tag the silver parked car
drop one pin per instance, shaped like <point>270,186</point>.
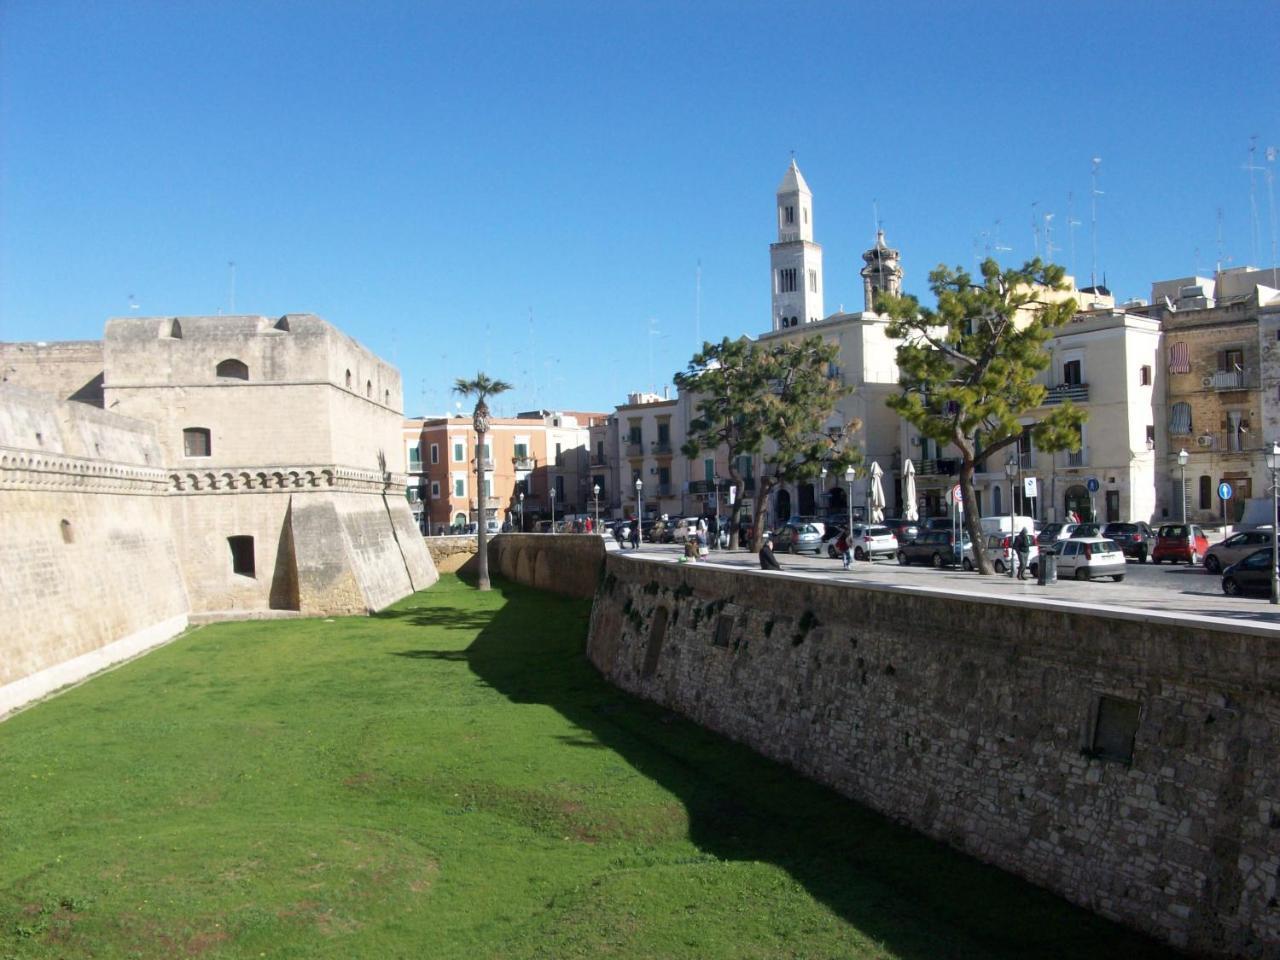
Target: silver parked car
<point>798,538</point>
<point>1235,548</point>
<point>1090,557</point>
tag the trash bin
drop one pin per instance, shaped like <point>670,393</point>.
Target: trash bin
<point>1047,568</point>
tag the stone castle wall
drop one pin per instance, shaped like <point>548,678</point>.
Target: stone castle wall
<point>564,563</point>
<point>1001,728</point>
<point>68,369</point>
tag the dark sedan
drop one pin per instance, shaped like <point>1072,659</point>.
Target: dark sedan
<point>1250,575</point>
<point>1135,539</point>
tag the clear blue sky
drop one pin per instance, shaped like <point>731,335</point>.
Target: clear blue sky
<point>425,175</point>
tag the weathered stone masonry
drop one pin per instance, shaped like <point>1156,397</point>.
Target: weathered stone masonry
<point>1000,728</point>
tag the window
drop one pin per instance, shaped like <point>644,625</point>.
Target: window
<point>1144,375</point>
<point>1151,434</point>
<point>175,329</point>
<point>68,534</point>
<point>664,434</point>
<point>559,456</point>
<point>1180,418</point>
<point>1071,372</point>
<point>724,630</point>
<point>458,455</point>
<point>348,379</point>
<point>636,436</point>
<point>1179,358</point>
<point>787,280</point>
<point>435,489</point>
<point>415,458</point>
<point>487,453</point>
<point>368,389</point>
<point>653,650</point>
<point>459,486</point>
<point>1206,493</point>
<point>522,451</point>
<point>241,555</point>
<point>435,453</point>
<point>813,281</point>
<point>560,489</point>
<point>196,442</point>
<point>791,215</point>
<point>709,470</point>
<point>806,214</point>
<point>1115,727</point>
<point>233,370</point>
<point>488,488</point>
<point>1229,361</point>
<point>386,398</point>
<point>599,451</point>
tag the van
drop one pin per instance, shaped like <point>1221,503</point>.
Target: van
<point>1001,524</point>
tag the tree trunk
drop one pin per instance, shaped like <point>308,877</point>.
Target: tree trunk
<point>972,524</point>
<point>482,534</point>
<point>735,512</point>
<point>762,498</point>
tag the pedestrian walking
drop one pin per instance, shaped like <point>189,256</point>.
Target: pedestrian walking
<point>635,534</point>
<point>1022,548</point>
<point>842,547</point>
<point>617,535</point>
<point>767,560</point>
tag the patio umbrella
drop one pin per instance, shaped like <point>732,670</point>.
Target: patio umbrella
<point>877,494</point>
<point>909,492</point>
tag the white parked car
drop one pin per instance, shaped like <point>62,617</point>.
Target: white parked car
<point>1090,557</point>
<point>871,541</point>
<point>1000,552</point>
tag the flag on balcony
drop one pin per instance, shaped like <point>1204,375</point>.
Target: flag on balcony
<point>1179,358</point>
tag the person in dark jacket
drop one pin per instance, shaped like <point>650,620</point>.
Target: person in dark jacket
<point>635,534</point>
<point>767,560</point>
<point>1022,548</point>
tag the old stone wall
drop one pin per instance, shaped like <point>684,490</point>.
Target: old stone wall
<point>568,563</point>
<point>68,369</point>
<point>1129,763</point>
<point>89,559</point>
<point>451,554</point>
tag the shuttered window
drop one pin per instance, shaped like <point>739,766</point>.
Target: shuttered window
<point>1179,358</point>
<point>1180,420</point>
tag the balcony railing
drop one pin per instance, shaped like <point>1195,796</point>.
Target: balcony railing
<point>635,450</point>
<point>485,464</point>
<point>661,447</point>
<point>1226,441</point>
<point>664,489</point>
<point>598,460</point>
<point>1229,380</point>
<point>1078,458</point>
<point>524,463</point>
<point>1075,392</point>
<point>946,467</point>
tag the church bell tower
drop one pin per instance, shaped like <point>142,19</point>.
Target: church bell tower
<point>796,260</point>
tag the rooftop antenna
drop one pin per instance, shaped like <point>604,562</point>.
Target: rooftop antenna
<point>1035,227</point>
<point>1271,210</point>
<point>1221,253</point>
<point>1072,223</point>
<point>1255,228</point>
<point>1094,194</point>
<point>998,246</point>
<point>133,302</point>
<point>697,307</point>
<point>875,215</point>
<point>231,265</point>
<point>1049,245</point>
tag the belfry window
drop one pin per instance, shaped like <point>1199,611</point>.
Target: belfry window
<point>242,556</point>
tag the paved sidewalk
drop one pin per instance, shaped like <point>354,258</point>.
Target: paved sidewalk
<point>1182,593</point>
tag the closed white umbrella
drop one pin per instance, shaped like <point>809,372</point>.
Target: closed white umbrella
<point>877,494</point>
<point>909,492</point>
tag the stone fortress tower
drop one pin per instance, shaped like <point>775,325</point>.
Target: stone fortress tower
<point>796,260</point>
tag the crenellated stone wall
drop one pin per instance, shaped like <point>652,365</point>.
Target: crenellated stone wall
<point>1131,763</point>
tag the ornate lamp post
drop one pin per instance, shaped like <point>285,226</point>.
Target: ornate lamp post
<point>551,492</point>
<point>715,540</point>
<point>595,490</point>
<point>639,502</point>
<point>1182,462</point>
<point>1273,464</point>
<point>522,511</point>
<point>822,489</point>
<point>1011,471</point>
<point>848,479</point>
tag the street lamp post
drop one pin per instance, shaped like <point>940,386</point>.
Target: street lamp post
<point>715,540</point>
<point>595,490</point>
<point>1273,464</point>
<point>552,494</point>
<point>1011,471</point>
<point>521,501</point>
<point>848,479</point>
<point>639,504</point>
<point>822,489</point>
<point>1182,462</point>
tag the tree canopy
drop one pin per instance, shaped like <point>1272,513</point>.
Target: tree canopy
<point>482,387</point>
<point>968,367</point>
<point>774,400</point>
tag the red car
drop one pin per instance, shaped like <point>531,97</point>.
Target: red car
<point>1180,543</point>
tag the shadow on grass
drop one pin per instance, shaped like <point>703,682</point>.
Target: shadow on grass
<point>914,896</point>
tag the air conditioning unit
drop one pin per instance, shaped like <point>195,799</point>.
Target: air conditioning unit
<point>1206,381</point>
<point>1206,440</point>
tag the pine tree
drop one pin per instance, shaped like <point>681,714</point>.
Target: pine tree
<point>774,401</point>
<point>968,368</point>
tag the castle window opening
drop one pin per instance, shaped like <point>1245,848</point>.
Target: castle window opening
<point>242,556</point>
<point>368,389</point>
<point>1144,376</point>
<point>386,398</point>
<point>348,379</point>
<point>724,630</point>
<point>196,442</point>
<point>1114,728</point>
<point>233,369</point>
<point>68,533</point>
<point>653,650</point>
<point>175,330</point>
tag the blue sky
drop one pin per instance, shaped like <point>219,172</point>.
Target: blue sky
<point>429,176</point>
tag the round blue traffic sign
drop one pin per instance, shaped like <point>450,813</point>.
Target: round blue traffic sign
<point>1224,491</point>
<point>1092,484</point>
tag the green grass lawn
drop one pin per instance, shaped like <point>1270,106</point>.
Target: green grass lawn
<point>452,779</point>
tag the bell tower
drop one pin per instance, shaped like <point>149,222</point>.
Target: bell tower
<point>883,272</point>
<point>795,259</point>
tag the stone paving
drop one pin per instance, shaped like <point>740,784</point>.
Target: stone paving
<point>1148,590</point>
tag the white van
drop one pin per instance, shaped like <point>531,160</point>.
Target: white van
<point>1001,524</point>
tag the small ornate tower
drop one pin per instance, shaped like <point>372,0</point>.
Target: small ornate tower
<point>883,272</point>
<point>795,258</point>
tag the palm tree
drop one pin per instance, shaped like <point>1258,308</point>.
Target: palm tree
<point>482,388</point>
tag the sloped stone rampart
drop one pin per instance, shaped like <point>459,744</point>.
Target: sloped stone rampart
<point>995,726</point>
<point>451,554</point>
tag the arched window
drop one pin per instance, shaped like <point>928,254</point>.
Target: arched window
<point>348,379</point>
<point>174,329</point>
<point>368,389</point>
<point>386,398</point>
<point>196,442</point>
<point>233,370</point>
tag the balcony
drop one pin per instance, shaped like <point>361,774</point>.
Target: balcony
<point>1075,392</point>
<point>484,464</point>
<point>524,463</point>
<point>945,467</point>
<point>635,450</point>
<point>1226,441</point>
<point>598,460</point>
<point>661,448</point>
<point>1078,458</point>
<point>664,490</point>
<point>1226,380</point>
